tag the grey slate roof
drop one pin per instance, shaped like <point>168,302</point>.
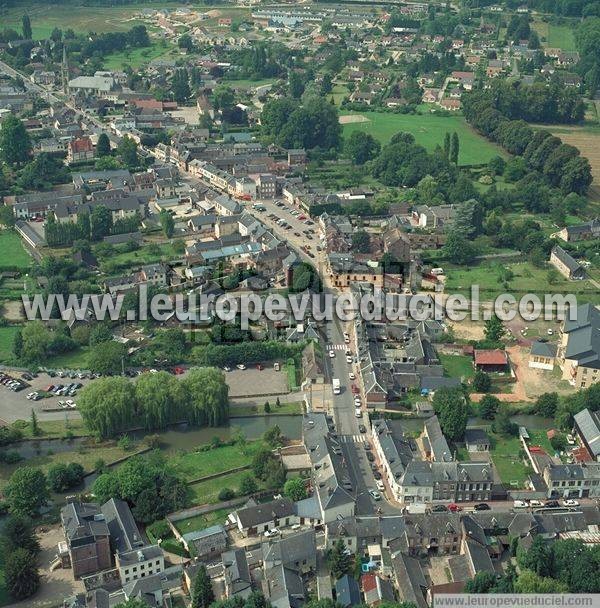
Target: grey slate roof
<point>124,532</point>
<point>543,349</point>
<point>588,424</point>
<point>583,343</point>
<point>410,579</point>
<point>347,591</point>
<point>82,520</point>
<point>237,572</point>
<point>263,513</point>
<point>439,446</point>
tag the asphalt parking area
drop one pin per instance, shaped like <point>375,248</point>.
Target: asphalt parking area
<point>253,382</point>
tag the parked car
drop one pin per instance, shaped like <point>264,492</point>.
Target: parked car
<point>380,485</point>
<point>520,504</point>
<point>352,376</point>
<point>482,506</point>
<point>375,495</point>
<point>551,503</point>
<point>241,366</point>
<point>331,354</point>
<point>370,457</point>
<point>377,475</point>
<point>454,508</point>
<point>362,428</point>
<point>439,509</point>
<point>270,533</point>
<point>570,502</point>
<point>534,502</point>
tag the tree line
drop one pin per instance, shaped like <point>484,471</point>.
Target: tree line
<point>561,165</point>
<point>110,406</point>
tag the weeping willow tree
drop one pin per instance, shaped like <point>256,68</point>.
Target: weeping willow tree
<point>208,395</point>
<point>107,406</point>
<point>161,400</point>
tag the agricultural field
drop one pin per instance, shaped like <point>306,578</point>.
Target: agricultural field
<point>428,129</point>
<point>12,252</point>
<point>44,18</point>
<point>527,279</point>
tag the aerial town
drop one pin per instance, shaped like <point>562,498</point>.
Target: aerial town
<point>441,156</point>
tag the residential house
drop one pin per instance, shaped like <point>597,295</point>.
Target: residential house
<point>79,150</point>
<point>254,519</point>
<point>376,590</point>
<point>580,232</point>
<point>205,543</point>
<point>566,264</point>
<point>587,427</point>
<point>573,480</point>
<point>236,572</point>
<point>437,217</point>
<point>435,446</point>
<point>542,355</point>
<point>579,347</point>
<point>297,551</point>
<point>347,592</point>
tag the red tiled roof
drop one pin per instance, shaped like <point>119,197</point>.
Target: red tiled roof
<point>369,582</point>
<point>491,357</point>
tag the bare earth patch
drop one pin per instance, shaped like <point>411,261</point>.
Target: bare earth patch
<point>352,118</point>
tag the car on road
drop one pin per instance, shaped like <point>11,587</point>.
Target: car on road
<point>570,502</point>
<point>454,508</point>
<point>370,456</point>
<point>331,354</point>
<point>349,359</point>
<point>380,485</point>
<point>439,509</point>
<point>352,376</point>
<point>270,533</point>
<point>377,475</point>
<point>551,503</point>
<point>241,366</point>
<point>375,495</point>
<point>358,412</point>
<point>534,502</point>
<point>520,504</point>
<point>362,428</point>
<point>482,506</point>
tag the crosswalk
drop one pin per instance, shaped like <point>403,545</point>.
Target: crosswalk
<point>362,438</point>
<point>337,346</point>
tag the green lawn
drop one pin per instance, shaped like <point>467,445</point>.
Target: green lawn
<point>207,492</point>
<point>200,464</point>
<point>429,131</point>
<point>457,366</point>
<point>200,522</point>
<point>7,335</point>
<point>119,261</point>
<point>510,467</point>
<point>561,36</point>
<point>12,252</point>
<point>77,359</point>
<point>527,279</point>
<point>136,58</point>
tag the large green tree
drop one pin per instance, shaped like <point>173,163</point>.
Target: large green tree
<point>15,145</point>
<point>26,491</point>
<point>361,147</point>
<point>209,396</point>
<point>202,592</point>
<point>161,398</point>
<point>18,533</point>
<point>21,574</point>
<point>452,410</point>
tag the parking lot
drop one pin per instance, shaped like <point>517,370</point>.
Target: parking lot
<point>253,382</point>
<point>16,406</point>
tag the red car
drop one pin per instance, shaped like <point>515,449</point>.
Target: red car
<point>355,389</point>
<point>454,508</point>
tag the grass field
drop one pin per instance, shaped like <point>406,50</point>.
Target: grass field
<point>145,255</point>
<point>457,366</point>
<point>527,279</point>
<point>136,58</point>
<point>77,359</point>
<point>12,252</point>
<point>207,492</point>
<point>200,522</point>
<point>429,131</point>
<point>555,36</point>
<point>510,467</point>
<point>200,464</point>
<point>7,335</point>
<point>44,18</point>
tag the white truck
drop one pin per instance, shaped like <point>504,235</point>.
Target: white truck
<point>336,386</point>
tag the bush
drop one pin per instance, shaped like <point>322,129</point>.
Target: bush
<point>226,494</point>
<point>159,529</point>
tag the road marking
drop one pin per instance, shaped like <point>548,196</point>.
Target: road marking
<point>337,346</point>
<point>353,438</point>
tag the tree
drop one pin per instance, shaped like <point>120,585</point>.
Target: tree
<point>482,582</point>
<point>103,146</point>
<point>26,22</point>
<point>469,221</point>
<point>267,407</point>
<point>488,407</point>
<point>26,491</point>
<point>15,145</point>
<point>458,249</point>
<point>180,85</point>
<point>361,241</point>
<point>452,411</point>
<point>62,477</point>
<point>295,489</point>
<point>454,149</point>
<point>339,559</point>
<point>202,591</point>
<point>274,474</point>
<point>21,574</point>
<point>161,400</point>
<point>503,424</point>
<point>260,461</point>
<point>209,396</point>
<point>226,494</point>
<point>361,147</point>
<point>107,357</point>
<point>128,152</point>
<point>530,582</point>
<point>223,97</point>
<point>132,602</point>
<point>36,338</point>
<point>447,145</point>
<point>18,533</point>
<point>547,404</point>
<point>107,406</point>
<point>482,383</point>
<point>7,217</point>
<point>167,223</point>
<point>33,424</point>
<point>248,485</point>
<point>273,436</point>
<point>100,222</point>
<point>494,329</point>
